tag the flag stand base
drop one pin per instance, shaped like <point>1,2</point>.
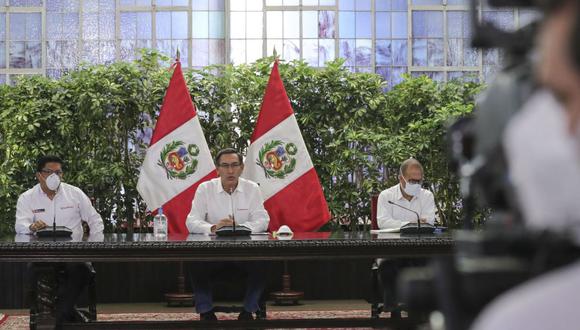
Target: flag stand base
<point>179,298</point>
<point>286,296</point>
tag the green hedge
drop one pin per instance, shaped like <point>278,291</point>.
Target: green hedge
<point>357,134</point>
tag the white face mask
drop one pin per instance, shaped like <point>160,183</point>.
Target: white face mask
<point>411,189</point>
<point>53,181</point>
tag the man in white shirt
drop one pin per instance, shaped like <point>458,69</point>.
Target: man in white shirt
<point>54,201</point>
<point>420,203</point>
<point>220,202</point>
<point>408,194</point>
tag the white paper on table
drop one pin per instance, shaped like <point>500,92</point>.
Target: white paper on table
<point>387,230</point>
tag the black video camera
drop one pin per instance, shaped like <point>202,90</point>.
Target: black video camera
<point>488,263</point>
<point>484,265</point>
<point>475,142</point>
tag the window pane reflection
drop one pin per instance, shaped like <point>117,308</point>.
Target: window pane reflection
<point>25,54</point>
<point>25,47</point>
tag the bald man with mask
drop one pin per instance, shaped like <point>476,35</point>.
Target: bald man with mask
<point>409,194</point>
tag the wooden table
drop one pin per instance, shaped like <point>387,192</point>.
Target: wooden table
<point>148,248</point>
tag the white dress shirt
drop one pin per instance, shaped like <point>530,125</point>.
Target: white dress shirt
<point>544,164</point>
<point>549,301</point>
<point>68,208</point>
<point>212,204</point>
<point>391,216</point>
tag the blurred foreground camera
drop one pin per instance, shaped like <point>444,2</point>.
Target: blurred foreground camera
<point>475,142</point>
<point>484,266</point>
<point>487,263</point>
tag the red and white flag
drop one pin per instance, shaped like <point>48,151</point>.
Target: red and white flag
<point>278,160</point>
<point>178,158</point>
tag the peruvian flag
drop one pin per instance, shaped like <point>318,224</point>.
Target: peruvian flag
<point>178,158</point>
<point>279,162</point>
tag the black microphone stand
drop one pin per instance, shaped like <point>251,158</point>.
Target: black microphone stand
<point>54,219</point>
<point>408,209</point>
<point>232,205</point>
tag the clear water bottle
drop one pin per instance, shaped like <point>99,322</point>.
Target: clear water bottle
<point>160,224</point>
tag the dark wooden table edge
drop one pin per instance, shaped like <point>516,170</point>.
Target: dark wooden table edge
<point>95,253</point>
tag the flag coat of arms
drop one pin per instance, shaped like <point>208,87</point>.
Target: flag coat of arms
<point>178,158</point>
<point>277,159</point>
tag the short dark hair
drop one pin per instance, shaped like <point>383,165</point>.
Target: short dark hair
<point>42,161</point>
<point>228,151</point>
<point>411,162</point>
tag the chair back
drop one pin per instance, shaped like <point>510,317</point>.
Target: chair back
<point>374,202</point>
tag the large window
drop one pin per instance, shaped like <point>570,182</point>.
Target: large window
<point>391,50</point>
<point>98,31</point>
<point>62,36</point>
<point>302,29</point>
<point>208,33</point>
<point>22,36</point>
<point>246,30</point>
<point>389,37</point>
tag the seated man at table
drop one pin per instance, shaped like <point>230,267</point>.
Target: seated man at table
<point>212,209</point>
<point>52,200</point>
<point>407,194</point>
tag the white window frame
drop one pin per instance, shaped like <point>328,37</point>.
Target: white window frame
<point>154,9</point>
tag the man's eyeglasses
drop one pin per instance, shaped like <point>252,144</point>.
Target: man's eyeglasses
<point>49,172</point>
<point>226,166</point>
<point>412,181</point>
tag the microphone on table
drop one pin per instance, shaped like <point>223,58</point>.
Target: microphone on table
<point>233,230</point>
<point>232,205</point>
<point>54,224</point>
<point>408,209</point>
<point>54,219</point>
<point>56,231</point>
<point>54,213</point>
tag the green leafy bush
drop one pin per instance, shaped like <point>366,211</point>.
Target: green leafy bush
<point>96,117</point>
